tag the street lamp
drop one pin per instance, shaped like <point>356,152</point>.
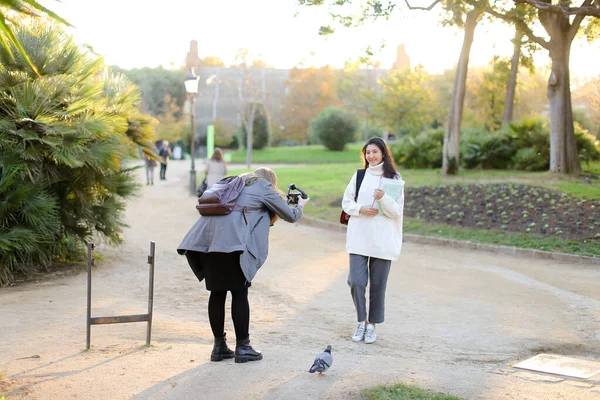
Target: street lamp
<point>191,87</point>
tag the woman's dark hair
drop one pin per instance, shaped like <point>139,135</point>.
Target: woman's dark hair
<point>389,167</point>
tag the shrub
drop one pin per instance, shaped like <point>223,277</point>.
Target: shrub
<point>533,138</point>
<point>334,128</point>
<point>487,150</point>
<point>529,159</point>
<point>261,134</point>
<point>532,132</point>
<point>421,151</point>
<point>63,138</point>
<point>588,146</point>
<point>224,133</point>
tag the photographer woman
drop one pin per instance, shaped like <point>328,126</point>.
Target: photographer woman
<point>228,250</point>
<point>374,237</point>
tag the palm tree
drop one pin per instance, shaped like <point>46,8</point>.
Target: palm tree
<point>14,8</point>
<point>65,134</point>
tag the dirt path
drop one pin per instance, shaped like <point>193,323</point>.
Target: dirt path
<point>456,321</point>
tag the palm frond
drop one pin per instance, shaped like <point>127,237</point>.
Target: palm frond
<point>63,138</point>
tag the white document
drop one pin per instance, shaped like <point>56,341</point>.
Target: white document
<point>391,187</point>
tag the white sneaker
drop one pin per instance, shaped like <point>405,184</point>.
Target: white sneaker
<point>360,332</point>
<point>370,336</point>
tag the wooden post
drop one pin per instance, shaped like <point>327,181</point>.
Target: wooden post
<point>150,292</point>
<point>90,247</point>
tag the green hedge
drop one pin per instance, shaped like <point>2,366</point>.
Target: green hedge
<point>334,128</point>
<point>421,151</point>
<point>522,146</point>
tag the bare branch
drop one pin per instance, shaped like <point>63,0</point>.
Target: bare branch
<point>521,25</point>
<point>578,18</point>
<point>585,10</point>
<point>421,8</point>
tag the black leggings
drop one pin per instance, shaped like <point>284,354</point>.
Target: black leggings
<point>240,313</point>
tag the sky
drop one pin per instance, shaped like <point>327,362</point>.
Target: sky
<point>150,33</point>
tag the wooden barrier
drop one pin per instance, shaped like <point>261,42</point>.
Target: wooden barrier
<point>119,319</point>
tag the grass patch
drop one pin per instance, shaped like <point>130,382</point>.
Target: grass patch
<point>315,154</point>
<point>404,392</point>
<point>592,169</point>
<point>521,240</point>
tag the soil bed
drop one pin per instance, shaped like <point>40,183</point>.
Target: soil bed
<point>506,207</point>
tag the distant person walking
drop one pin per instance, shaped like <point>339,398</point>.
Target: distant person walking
<point>374,234</point>
<point>150,165</point>
<point>165,153</point>
<point>216,169</point>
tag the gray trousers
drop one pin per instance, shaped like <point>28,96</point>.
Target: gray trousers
<point>362,270</point>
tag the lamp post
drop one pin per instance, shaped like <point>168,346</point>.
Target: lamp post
<point>191,87</point>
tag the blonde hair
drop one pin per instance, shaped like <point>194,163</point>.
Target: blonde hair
<point>268,175</point>
<point>217,155</point>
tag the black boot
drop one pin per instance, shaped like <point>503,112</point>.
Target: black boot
<point>220,350</point>
<point>244,352</point>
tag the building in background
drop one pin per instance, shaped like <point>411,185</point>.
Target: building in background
<point>219,91</point>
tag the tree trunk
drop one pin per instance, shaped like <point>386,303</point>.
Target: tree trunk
<point>451,152</point>
<point>563,147</point>
<point>249,123</point>
<point>509,102</point>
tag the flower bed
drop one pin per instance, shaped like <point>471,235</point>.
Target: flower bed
<point>506,207</point>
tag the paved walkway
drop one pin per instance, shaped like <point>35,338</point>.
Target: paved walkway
<point>456,321</point>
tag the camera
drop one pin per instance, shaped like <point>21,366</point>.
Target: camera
<point>293,193</point>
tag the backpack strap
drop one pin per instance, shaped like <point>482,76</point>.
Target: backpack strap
<point>245,209</point>
<point>360,175</point>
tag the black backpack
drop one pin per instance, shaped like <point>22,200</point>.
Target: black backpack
<point>360,174</point>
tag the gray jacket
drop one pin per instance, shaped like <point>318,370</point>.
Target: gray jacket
<point>230,233</point>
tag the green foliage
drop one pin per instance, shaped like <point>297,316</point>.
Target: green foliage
<point>487,150</point>
<point>529,159</point>
<point>355,86</point>
<point>224,134</point>
<point>421,151</point>
<point>405,101</point>
<point>163,91</point>
<point>11,17</point>
<point>532,132</point>
<point>525,146</point>
<point>487,92</point>
<point>588,146</point>
<point>401,391</point>
<point>261,134</point>
<point>63,137</point>
<point>581,117</point>
<point>532,138</point>
<point>334,128</point>
<point>295,153</point>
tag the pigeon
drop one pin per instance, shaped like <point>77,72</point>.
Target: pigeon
<point>322,362</point>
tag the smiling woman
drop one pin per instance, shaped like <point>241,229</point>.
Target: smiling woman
<point>374,235</point>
